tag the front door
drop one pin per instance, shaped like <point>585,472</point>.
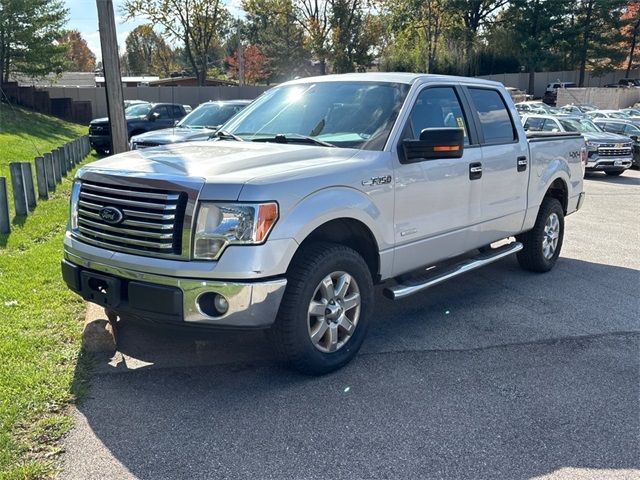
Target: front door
<point>436,201</point>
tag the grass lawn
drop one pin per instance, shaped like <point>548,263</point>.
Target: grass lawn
<point>39,317</point>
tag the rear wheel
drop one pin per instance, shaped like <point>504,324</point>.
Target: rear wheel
<point>543,242</point>
<point>325,310</point>
<point>614,173</point>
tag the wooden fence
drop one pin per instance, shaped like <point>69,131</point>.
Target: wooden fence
<point>49,170</point>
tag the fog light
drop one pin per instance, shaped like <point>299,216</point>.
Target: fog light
<point>213,304</point>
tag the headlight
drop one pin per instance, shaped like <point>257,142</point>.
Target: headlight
<point>222,224</point>
<point>591,145</point>
<point>73,206</point>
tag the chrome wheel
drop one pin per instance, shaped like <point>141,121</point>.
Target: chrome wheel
<point>551,236</point>
<point>334,311</point>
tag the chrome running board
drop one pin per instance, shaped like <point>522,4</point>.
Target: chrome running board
<point>417,284</point>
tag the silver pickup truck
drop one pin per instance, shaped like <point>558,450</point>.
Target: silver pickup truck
<point>315,192</point>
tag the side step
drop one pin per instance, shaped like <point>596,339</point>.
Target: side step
<point>420,283</point>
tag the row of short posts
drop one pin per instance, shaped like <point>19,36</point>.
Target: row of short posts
<point>49,170</point>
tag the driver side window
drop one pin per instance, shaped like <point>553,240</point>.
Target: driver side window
<point>437,107</point>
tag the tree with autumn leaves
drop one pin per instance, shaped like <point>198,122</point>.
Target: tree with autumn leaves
<point>254,65</point>
<point>78,56</point>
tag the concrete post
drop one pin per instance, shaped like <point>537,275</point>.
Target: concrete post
<point>41,179</point>
<point>27,178</point>
<point>19,196</point>
<point>5,225</point>
<point>57,165</point>
<point>49,172</point>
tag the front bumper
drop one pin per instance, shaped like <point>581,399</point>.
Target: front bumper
<point>100,141</point>
<point>171,299</point>
<point>608,163</point>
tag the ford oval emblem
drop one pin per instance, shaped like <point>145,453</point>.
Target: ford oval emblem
<point>111,215</point>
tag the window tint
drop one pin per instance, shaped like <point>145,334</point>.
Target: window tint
<point>495,120</point>
<point>631,130</point>
<point>550,126</point>
<point>534,124</point>
<point>438,107</point>
<point>615,127</point>
<point>176,111</point>
<point>162,111</point>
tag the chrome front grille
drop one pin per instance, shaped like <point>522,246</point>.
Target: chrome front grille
<point>614,152</point>
<point>151,220</point>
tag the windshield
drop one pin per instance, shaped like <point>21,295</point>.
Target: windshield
<point>582,126</point>
<point>138,110</point>
<point>210,115</point>
<point>345,114</point>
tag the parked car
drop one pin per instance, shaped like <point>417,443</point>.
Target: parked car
<point>578,109</point>
<point>198,125</point>
<point>608,152</point>
<point>632,113</point>
<point>316,191</point>
<point>629,82</point>
<point>130,103</point>
<point>536,107</point>
<point>626,128</point>
<point>606,114</point>
<point>140,118</point>
<point>553,87</point>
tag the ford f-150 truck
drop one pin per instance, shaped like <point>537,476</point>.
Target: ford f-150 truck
<point>315,192</point>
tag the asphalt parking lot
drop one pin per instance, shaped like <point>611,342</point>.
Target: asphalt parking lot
<point>497,374</point>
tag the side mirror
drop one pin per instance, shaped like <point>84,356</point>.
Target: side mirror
<point>176,123</point>
<point>154,116</point>
<point>434,143</point>
<point>634,138</point>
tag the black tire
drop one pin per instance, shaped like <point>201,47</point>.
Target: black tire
<point>614,173</point>
<point>291,333</point>
<point>531,257</point>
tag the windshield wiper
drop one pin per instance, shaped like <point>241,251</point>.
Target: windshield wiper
<point>294,138</point>
<point>224,135</point>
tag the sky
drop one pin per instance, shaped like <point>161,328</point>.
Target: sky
<point>83,16</point>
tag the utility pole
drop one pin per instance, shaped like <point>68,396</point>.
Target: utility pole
<point>112,77</point>
<point>240,58</point>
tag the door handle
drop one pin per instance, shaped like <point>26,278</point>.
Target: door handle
<point>475,171</point>
<point>522,164</point>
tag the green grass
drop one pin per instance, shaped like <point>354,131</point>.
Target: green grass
<point>42,368</point>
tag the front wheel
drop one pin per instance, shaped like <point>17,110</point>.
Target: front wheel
<point>543,242</point>
<point>325,310</point>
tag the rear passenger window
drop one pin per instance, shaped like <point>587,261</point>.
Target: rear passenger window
<point>495,120</point>
<point>550,126</point>
<point>176,111</point>
<point>534,124</point>
<point>438,107</point>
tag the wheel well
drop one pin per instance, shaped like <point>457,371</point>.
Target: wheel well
<point>352,233</point>
<point>558,189</point>
<point>136,132</point>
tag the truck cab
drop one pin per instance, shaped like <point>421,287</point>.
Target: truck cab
<point>318,190</point>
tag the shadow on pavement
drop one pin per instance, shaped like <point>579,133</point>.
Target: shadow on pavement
<point>624,179</point>
<point>497,375</point>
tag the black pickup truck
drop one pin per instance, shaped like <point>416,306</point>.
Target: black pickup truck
<point>141,118</point>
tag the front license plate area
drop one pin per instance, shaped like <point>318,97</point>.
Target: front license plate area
<point>100,289</point>
<point>617,163</point>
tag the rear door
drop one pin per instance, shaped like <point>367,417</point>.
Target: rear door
<point>505,166</point>
<point>436,201</point>
<point>164,118</point>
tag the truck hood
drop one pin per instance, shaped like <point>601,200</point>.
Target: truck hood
<point>173,135</point>
<point>221,162</point>
<point>605,137</point>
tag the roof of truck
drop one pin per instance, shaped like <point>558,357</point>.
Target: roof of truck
<point>391,77</point>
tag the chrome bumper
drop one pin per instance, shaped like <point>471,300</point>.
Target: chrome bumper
<point>606,163</point>
<point>251,304</point>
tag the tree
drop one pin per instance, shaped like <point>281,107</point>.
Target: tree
<point>254,64</point>
<point>78,57</point>
<point>146,52</point>
<point>533,27</point>
<point>198,24</point>
<point>354,32</point>
<point>598,24</point>
<point>28,33</point>
<point>630,30</point>
<point>474,15</point>
<point>273,27</point>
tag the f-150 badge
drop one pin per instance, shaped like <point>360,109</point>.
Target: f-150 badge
<point>377,181</point>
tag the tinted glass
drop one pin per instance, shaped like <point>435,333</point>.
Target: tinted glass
<point>345,114</point>
<point>437,108</point>
<point>550,126</point>
<point>495,120</point>
<point>176,111</point>
<point>631,130</point>
<point>534,124</point>
<point>210,115</point>
<point>162,111</point>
